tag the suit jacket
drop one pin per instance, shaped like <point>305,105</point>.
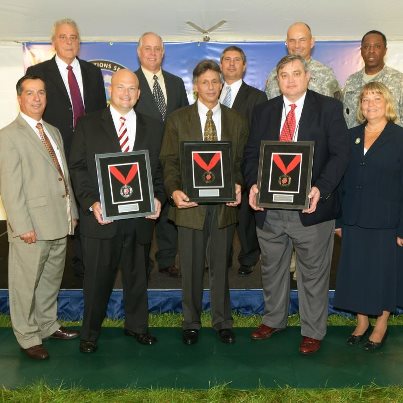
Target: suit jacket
<point>176,95</point>
<point>32,190</point>
<point>96,134</point>
<point>246,100</point>
<point>321,121</point>
<point>59,111</point>
<point>184,125</point>
<point>372,187</point>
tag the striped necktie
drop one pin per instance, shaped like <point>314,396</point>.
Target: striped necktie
<point>123,136</point>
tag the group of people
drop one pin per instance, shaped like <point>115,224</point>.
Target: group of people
<point>63,113</point>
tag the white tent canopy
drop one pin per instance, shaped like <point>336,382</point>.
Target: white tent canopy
<point>249,20</point>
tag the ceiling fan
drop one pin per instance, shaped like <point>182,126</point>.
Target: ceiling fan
<point>206,32</point>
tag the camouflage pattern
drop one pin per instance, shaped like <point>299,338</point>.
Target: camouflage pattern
<point>322,80</point>
<point>393,79</point>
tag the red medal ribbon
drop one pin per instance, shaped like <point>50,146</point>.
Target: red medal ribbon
<point>279,162</point>
<point>202,164</point>
<point>119,176</point>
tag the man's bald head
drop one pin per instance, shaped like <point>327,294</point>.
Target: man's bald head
<point>299,40</point>
<point>124,91</point>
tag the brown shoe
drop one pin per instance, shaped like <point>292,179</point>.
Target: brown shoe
<point>36,352</point>
<point>309,345</point>
<point>264,332</point>
<point>65,334</point>
<point>172,271</point>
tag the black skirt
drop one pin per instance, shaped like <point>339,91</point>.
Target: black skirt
<point>367,271</point>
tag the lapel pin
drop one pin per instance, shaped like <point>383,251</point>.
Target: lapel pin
<point>357,140</point>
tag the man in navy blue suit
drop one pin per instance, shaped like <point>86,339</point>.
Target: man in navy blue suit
<point>320,119</point>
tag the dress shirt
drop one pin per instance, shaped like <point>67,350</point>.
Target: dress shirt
<point>32,123</point>
<point>298,111</point>
<point>130,124</point>
<point>62,66</point>
<point>202,109</point>
<point>234,91</point>
<point>150,79</point>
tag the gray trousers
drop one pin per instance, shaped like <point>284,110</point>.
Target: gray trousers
<point>313,245</point>
<point>192,252</point>
<point>34,277</point>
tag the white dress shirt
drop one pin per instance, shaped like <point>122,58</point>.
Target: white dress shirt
<point>202,109</point>
<point>298,111</point>
<point>130,124</point>
<point>150,79</point>
<point>234,91</point>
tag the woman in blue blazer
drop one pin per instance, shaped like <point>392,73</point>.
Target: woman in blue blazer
<point>371,224</point>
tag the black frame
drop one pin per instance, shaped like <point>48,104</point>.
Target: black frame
<point>120,201</point>
<point>281,189</point>
<point>215,185</point>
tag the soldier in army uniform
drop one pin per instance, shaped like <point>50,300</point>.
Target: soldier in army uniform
<point>373,51</point>
<point>300,42</point>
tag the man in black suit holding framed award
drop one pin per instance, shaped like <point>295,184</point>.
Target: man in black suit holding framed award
<point>298,114</point>
<point>238,95</point>
<point>108,244</point>
<point>161,94</point>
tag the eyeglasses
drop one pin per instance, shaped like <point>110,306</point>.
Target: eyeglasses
<point>69,38</point>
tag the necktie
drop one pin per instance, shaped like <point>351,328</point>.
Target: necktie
<point>227,99</point>
<point>123,136</point>
<point>287,132</point>
<point>210,131</point>
<point>159,97</point>
<point>48,145</point>
<point>75,94</point>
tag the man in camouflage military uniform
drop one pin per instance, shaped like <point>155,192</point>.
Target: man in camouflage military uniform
<point>373,51</point>
<point>300,42</point>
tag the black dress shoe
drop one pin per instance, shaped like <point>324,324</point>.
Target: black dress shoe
<point>226,336</point>
<point>65,334</point>
<point>372,345</point>
<point>142,338</point>
<point>354,340</point>
<point>245,270</point>
<point>88,346</point>
<point>190,336</point>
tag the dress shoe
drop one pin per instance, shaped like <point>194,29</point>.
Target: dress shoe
<point>142,338</point>
<point>64,334</point>
<point>354,340</point>
<point>88,346</point>
<point>36,352</point>
<point>264,332</point>
<point>172,271</point>
<point>190,336</point>
<point>226,336</point>
<point>372,345</point>
<point>309,345</point>
<point>245,270</point>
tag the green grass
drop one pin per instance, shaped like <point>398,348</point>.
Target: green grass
<point>42,393</point>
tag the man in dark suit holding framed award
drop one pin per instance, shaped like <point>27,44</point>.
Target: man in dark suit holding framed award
<point>74,87</point>
<point>298,114</point>
<point>198,225</point>
<point>238,95</point>
<point>123,243</point>
<point>161,94</point>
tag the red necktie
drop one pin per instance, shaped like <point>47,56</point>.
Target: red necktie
<point>287,132</point>
<point>123,136</point>
<point>75,94</point>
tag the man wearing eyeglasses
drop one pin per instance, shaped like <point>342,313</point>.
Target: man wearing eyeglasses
<point>300,42</point>
<point>70,94</point>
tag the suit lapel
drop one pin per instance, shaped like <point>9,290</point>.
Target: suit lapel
<point>379,142</point>
<point>27,131</point>
<point>55,76</point>
<point>140,139</point>
<point>308,112</point>
<point>275,120</point>
<point>110,130</point>
<point>85,77</point>
<point>226,125</point>
<point>194,124</point>
<point>241,96</point>
<point>170,88</point>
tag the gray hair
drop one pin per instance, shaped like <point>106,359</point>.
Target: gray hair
<point>63,21</point>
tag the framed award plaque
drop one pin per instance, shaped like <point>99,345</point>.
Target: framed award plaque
<point>284,176</point>
<point>125,185</point>
<point>207,171</point>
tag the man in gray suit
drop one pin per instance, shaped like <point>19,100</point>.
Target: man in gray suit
<point>41,212</point>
